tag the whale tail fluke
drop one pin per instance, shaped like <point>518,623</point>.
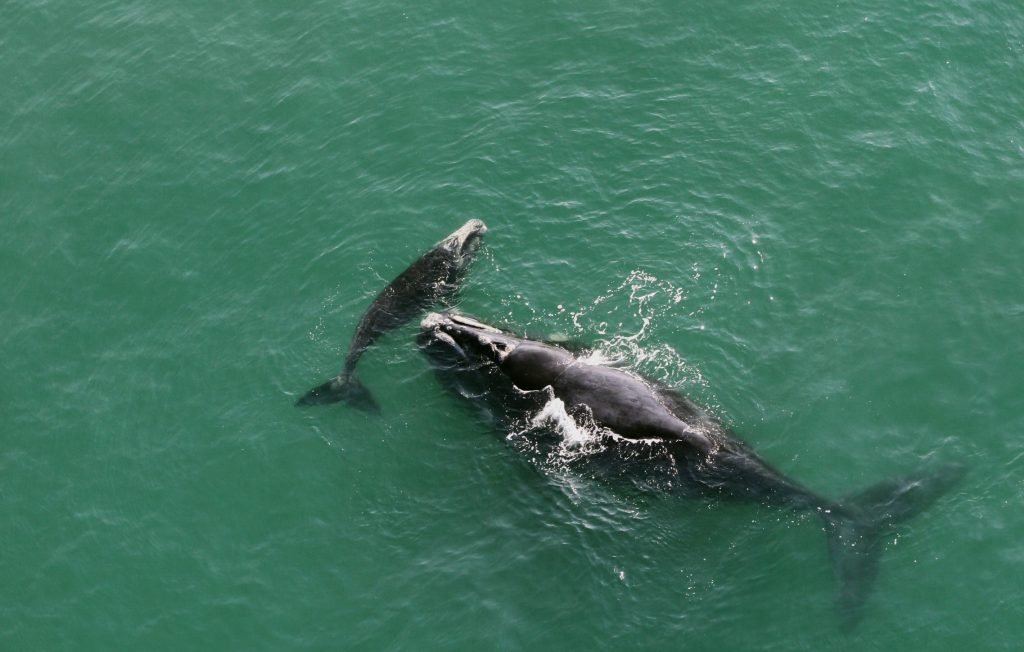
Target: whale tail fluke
<point>858,526</point>
<point>341,388</point>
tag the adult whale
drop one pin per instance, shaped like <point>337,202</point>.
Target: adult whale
<point>432,278</point>
<point>643,420</point>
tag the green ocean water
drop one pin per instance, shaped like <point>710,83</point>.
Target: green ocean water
<point>805,215</point>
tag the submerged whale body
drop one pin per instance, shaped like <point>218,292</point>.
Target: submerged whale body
<point>432,278</point>
<point>517,376</point>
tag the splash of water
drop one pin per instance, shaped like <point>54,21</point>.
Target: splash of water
<point>625,316</point>
<point>575,437</point>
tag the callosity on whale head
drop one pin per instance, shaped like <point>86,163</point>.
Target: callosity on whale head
<point>465,240</point>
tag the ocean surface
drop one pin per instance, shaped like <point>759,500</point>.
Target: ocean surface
<point>807,216</point>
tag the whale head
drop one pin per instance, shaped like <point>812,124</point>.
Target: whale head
<point>470,344</point>
<point>465,240</point>
<point>465,338</point>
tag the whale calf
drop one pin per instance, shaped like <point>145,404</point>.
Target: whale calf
<point>432,278</point>
<point>645,421</point>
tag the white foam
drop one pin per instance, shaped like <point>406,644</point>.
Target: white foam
<point>432,320</point>
<point>576,438</point>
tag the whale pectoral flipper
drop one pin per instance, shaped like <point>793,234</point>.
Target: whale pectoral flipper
<point>341,388</point>
<point>857,526</point>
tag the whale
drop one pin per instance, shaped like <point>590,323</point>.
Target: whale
<point>650,429</point>
<point>435,277</point>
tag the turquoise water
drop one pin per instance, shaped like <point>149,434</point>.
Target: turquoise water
<point>806,216</point>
